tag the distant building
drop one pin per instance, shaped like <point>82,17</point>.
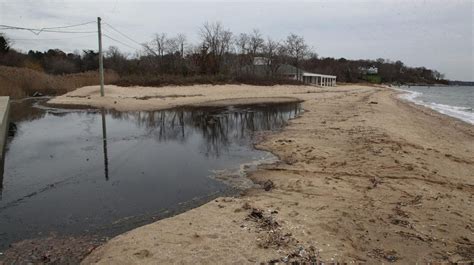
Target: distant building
<point>372,70</point>
<point>261,61</point>
<point>309,78</point>
<point>369,70</point>
<point>262,66</point>
<point>370,74</point>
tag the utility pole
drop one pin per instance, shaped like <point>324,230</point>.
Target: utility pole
<point>101,59</point>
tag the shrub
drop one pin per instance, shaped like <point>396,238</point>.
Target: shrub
<point>23,82</point>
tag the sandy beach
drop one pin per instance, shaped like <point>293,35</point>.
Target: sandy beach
<point>363,177</point>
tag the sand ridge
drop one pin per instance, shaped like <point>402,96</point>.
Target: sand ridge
<point>362,177</point>
<point>152,98</point>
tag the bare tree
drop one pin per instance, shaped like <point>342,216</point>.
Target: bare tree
<point>275,53</point>
<point>171,46</point>
<point>256,42</point>
<point>242,46</point>
<point>297,49</point>
<point>175,50</point>
<point>216,41</point>
<point>242,43</point>
<point>175,45</point>
<point>155,51</point>
<point>116,60</point>
<point>113,52</point>
<point>159,44</point>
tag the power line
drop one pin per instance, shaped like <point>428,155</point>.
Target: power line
<point>126,36</point>
<point>115,36</point>
<point>71,26</point>
<point>37,31</point>
<point>47,28</point>
<point>123,34</point>
<point>89,35</point>
<point>107,36</point>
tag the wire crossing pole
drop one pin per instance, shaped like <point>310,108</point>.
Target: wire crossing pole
<point>101,59</point>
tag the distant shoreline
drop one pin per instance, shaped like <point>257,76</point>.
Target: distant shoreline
<point>464,114</point>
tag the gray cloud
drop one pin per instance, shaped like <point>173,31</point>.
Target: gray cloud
<point>435,34</point>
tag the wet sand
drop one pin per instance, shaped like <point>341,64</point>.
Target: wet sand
<point>362,176</point>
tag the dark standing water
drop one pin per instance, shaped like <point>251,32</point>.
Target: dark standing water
<point>73,172</point>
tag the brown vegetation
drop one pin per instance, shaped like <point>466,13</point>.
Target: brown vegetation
<point>23,82</point>
<point>164,80</point>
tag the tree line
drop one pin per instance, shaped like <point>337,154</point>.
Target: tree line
<point>218,53</point>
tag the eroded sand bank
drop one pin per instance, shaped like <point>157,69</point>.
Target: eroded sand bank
<point>363,177</point>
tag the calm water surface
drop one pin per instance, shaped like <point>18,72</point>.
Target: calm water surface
<point>105,172</point>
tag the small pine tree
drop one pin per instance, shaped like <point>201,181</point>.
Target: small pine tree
<point>4,44</point>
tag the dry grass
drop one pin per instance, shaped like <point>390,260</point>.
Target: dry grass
<point>23,82</point>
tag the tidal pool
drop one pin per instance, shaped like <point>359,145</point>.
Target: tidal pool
<point>104,172</point>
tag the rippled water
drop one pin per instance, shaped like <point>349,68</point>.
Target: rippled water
<point>455,101</point>
<point>104,172</point>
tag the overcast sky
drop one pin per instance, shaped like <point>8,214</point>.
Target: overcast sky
<point>434,34</point>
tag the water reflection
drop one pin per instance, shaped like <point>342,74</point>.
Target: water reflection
<point>2,168</point>
<point>24,110</point>
<point>104,140</point>
<point>69,171</point>
<point>218,126</point>
<point>10,132</point>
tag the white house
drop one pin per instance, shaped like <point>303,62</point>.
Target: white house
<point>369,70</point>
<point>262,66</point>
<point>307,77</point>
